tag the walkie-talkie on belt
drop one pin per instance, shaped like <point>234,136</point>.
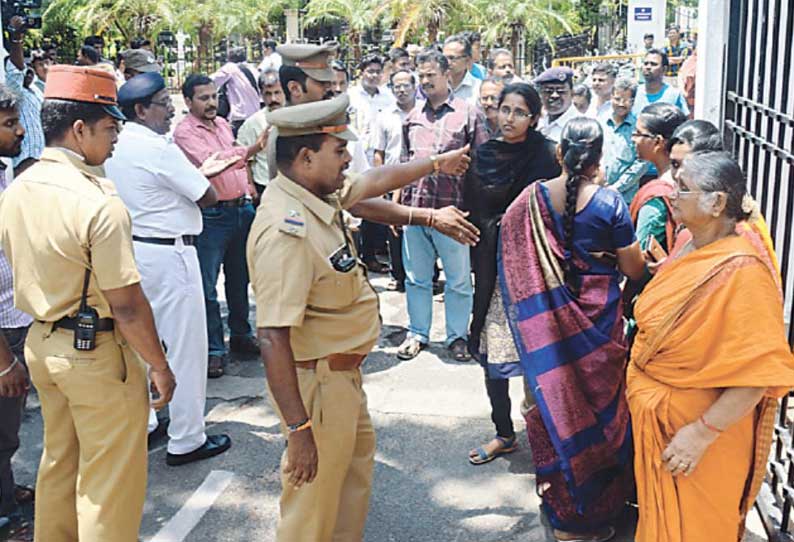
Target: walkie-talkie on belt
<point>86,322</point>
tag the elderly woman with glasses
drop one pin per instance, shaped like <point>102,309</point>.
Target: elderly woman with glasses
<point>707,365</point>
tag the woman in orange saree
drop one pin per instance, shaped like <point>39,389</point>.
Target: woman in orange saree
<point>707,366</point>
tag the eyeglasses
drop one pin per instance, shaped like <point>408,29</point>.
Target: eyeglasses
<point>642,134</point>
<point>685,192</point>
<point>489,99</point>
<point>402,87</point>
<point>551,91</point>
<point>453,58</point>
<point>165,104</point>
<point>520,114</point>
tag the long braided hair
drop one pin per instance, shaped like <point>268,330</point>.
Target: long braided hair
<point>581,144</point>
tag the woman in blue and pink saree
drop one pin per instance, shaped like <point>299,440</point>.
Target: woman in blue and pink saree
<point>563,244</point>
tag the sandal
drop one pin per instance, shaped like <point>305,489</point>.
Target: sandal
<point>508,445</point>
<point>604,534</point>
<point>410,348</point>
<point>460,351</point>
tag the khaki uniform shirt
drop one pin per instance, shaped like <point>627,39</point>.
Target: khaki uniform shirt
<point>58,219</point>
<point>296,286</point>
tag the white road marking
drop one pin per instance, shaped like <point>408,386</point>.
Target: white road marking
<point>178,527</point>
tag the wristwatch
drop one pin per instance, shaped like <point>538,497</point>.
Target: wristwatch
<point>300,426</point>
<point>436,163</point>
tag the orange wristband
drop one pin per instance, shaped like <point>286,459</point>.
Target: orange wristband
<point>709,426</point>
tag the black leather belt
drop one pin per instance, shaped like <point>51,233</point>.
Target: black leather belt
<point>186,239</point>
<point>103,324</point>
<point>239,202</point>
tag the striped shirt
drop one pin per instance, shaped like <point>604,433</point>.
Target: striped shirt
<point>429,131</point>
<point>30,100</point>
<point>10,316</point>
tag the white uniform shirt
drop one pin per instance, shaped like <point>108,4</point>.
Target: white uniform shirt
<point>553,130</point>
<point>389,135</point>
<point>157,183</point>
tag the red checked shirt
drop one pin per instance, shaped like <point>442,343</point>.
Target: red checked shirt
<point>199,142</point>
<point>426,132</point>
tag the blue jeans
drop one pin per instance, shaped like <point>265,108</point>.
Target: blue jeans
<point>222,241</point>
<point>421,247</point>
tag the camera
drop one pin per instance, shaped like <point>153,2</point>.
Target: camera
<point>11,8</point>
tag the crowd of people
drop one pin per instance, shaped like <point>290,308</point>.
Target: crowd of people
<point>594,241</point>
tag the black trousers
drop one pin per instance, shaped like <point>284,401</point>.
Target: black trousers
<point>396,255</point>
<point>373,238</point>
<point>499,394</point>
<point>10,421</point>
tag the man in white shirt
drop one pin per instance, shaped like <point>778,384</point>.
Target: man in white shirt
<point>388,151</point>
<point>389,126</point>
<point>163,192</point>
<point>271,60</point>
<point>368,100</point>
<point>464,85</point>
<point>556,92</point>
<point>602,79</point>
<point>251,130</point>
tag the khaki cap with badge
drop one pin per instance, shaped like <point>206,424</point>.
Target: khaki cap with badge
<point>311,59</point>
<point>323,117</point>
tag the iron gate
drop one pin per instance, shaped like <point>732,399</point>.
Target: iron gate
<point>759,128</point>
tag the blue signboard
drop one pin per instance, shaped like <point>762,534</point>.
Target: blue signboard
<point>643,14</point>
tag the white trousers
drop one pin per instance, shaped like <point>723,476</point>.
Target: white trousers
<point>171,280</point>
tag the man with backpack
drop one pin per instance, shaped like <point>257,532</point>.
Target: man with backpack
<point>238,92</point>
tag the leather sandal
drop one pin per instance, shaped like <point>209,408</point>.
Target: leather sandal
<point>507,445</point>
<point>410,348</point>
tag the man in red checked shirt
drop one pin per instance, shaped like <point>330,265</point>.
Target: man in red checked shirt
<point>226,224</point>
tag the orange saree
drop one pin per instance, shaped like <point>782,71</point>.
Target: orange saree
<point>710,320</point>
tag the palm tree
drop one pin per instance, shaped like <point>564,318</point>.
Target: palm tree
<point>360,16</point>
<point>128,18</point>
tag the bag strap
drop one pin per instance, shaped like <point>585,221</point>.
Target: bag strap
<point>248,75</point>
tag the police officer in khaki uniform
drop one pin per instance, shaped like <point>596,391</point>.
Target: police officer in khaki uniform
<point>317,315</point>
<point>67,236</point>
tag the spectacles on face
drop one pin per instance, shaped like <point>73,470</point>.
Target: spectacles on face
<point>405,86</point>
<point>489,99</point>
<point>683,191</point>
<point>551,91</point>
<point>519,114</point>
<point>166,103</point>
<point>642,134</point>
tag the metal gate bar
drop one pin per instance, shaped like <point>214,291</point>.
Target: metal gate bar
<point>759,129</point>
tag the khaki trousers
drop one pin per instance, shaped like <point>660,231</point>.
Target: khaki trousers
<point>92,478</point>
<point>334,506</point>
